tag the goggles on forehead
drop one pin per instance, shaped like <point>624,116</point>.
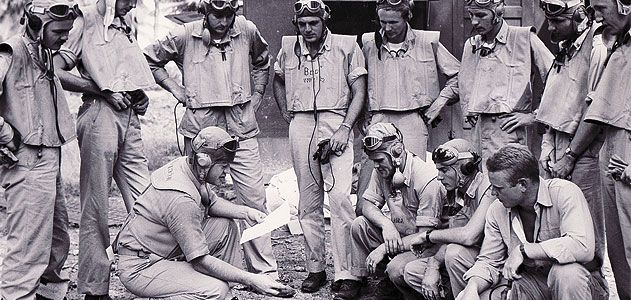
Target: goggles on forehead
<point>483,3</point>
<point>223,4</point>
<point>447,155</point>
<point>391,2</point>
<point>553,8</point>
<point>372,143</point>
<point>313,6</point>
<point>230,145</point>
<point>58,11</point>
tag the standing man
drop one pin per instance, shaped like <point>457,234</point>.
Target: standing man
<point>168,247</point>
<point>214,55</point>
<point>34,123</point>
<point>113,73</point>
<point>403,66</point>
<point>536,236</point>
<point>408,186</point>
<point>611,107</point>
<point>495,77</point>
<point>470,190</point>
<point>320,86</point>
<point>570,146</point>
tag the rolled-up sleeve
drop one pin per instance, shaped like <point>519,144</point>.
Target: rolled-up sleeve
<point>279,65</point>
<point>373,193</point>
<point>71,50</point>
<point>431,199</point>
<point>356,65</point>
<point>259,52</point>
<point>576,243</point>
<point>166,49</point>
<point>6,132</point>
<point>449,66</point>
<point>184,220</point>
<point>493,252</point>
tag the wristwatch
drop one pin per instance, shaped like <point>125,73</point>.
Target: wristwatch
<point>523,251</point>
<point>571,153</point>
<point>427,233</point>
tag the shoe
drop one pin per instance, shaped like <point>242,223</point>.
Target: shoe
<point>349,289</point>
<point>97,297</point>
<point>313,282</point>
<point>335,285</point>
<point>386,290</point>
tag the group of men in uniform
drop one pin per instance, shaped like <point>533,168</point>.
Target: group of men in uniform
<point>443,234</point>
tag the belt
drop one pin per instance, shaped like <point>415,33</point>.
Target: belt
<point>129,252</point>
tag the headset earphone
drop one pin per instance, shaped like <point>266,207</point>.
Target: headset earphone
<point>32,21</point>
<point>471,167</point>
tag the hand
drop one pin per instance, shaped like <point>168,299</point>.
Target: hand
<point>119,101</point>
<point>256,100</point>
<point>563,168</point>
<point>392,240</point>
<point>469,293</point>
<point>374,258</point>
<point>626,175</point>
<point>140,101</point>
<point>417,243</point>
<point>287,116</point>
<point>267,285</point>
<point>429,286</point>
<point>515,120</point>
<point>511,266</point>
<point>254,216</point>
<point>12,145</point>
<point>339,140</point>
<point>472,120</point>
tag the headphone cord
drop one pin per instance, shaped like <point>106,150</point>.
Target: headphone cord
<point>177,137</point>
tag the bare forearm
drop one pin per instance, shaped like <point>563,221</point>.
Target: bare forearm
<point>375,216</point>
<point>357,103</point>
<point>279,94</point>
<point>171,86</point>
<point>227,209</point>
<point>74,83</point>
<point>219,269</point>
<point>585,135</point>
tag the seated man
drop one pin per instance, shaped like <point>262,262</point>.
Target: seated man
<point>414,197</point>
<point>537,235</point>
<point>168,247</point>
<point>469,194</point>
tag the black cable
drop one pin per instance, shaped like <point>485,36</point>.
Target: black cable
<point>177,137</point>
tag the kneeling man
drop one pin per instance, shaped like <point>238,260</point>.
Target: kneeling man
<point>538,235</point>
<point>170,247</point>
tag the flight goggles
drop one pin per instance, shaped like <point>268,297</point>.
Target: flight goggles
<point>391,2</point>
<point>222,4</point>
<point>483,3</point>
<point>554,8</point>
<point>58,11</point>
<point>313,6</point>
<point>372,143</point>
<point>448,155</point>
<point>230,145</point>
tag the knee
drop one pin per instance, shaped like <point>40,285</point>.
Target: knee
<point>218,290</point>
<point>413,273</point>
<point>358,227</point>
<point>453,255</point>
<point>228,228</point>
<point>395,270</point>
<point>568,275</point>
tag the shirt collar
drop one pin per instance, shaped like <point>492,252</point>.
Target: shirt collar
<point>472,191</point>
<point>410,38</point>
<point>543,195</point>
<point>326,46</point>
<point>576,45</point>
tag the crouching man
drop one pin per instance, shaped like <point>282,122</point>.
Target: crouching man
<point>537,235</point>
<point>408,186</point>
<point>168,247</point>
<point>469,199</point>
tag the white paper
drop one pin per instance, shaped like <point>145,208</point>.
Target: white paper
<point>275,219</point>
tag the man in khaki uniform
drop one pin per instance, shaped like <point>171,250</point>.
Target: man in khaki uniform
<point>34,123</point>
<point>319,86</point>
<point>214,56</point>
<point>112,75</point>
<point>495,77</point>
<point>611,107</point>
<point>168,247</point>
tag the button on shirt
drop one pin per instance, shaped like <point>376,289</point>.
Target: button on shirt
<point>563,228</point>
